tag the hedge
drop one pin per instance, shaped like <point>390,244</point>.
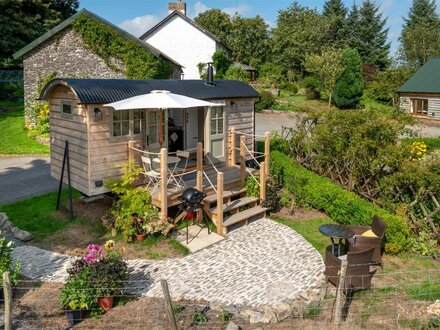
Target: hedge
<point>341,205</point>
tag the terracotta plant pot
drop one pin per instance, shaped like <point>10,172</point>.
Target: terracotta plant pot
<point>106,303</point>
<point>140,237</point>
<point>76,316</point>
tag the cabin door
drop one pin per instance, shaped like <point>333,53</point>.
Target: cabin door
<point>191,127</point>
<point>215,133</point>
<point>156,136</point>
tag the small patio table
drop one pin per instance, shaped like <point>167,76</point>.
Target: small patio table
<point>172,162</point>
<point>338,232</point>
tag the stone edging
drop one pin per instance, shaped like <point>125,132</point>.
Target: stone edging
<point>7,226</point>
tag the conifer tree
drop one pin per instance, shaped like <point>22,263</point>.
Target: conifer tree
<point>420,37</point>
<point>336,12</point>
<point>349,87</point>
<point>372,45</point>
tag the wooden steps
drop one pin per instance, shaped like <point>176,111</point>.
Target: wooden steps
<point>243,216</point>
<point>227,194</point>
<point>236,204</point>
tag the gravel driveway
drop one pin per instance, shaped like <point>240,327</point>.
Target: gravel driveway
<point>24,176</point>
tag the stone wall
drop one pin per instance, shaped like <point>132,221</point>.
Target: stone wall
<point>68,56</point>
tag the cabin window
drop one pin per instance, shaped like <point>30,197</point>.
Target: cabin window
<point>419,107</point>
<point>66,109</point>
<point>127,122</point>
<point>217,116</point>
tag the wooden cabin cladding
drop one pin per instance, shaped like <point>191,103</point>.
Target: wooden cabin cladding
<point>73,128</point>
<point>428,103</point>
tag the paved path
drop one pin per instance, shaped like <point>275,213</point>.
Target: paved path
<point>24,176</point>
<point>262,264</point>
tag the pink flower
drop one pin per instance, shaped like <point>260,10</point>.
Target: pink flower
<point>94,254</point>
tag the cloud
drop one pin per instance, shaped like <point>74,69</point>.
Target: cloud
<point>139,25</point>
<point>200,7</point>
<point>241,10</point>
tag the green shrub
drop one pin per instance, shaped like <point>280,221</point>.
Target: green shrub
<point>237,73</point>
<point>289,87</point>
<point>312,93</point>
<point>310,82</point>
<point>266,101</point>
<point>341,205</point>
<point>7,264</point>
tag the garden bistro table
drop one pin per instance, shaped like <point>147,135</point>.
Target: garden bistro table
<point>338,232</point>
<point>172,162</point>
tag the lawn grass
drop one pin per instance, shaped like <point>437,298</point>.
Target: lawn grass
<point>309,229</point>
<point>15,139</point>
<point>8,104</point>
<point>37,214</point>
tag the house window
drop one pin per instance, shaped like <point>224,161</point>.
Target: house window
<point>66,109</point>
<point>127,122</point>
<point>419,107</point>
<point>217,117</point>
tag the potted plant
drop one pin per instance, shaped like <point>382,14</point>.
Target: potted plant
<point>106,276</point>
<point>7,264</point>
<point>140,228</point>
<point>77,296</point>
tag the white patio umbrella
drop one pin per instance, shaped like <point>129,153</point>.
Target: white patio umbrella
<point>160,100</point>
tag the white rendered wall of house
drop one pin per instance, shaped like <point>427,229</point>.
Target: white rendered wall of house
<point>185,44</point>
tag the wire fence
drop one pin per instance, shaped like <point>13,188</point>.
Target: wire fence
<point>409,300</point>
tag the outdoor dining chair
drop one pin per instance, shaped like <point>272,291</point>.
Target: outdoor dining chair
<point>368,237</point>
<point>181,167</point>
<point>150,173</point>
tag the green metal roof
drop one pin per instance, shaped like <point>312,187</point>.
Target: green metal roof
<point>425,80</point>
<point>26,49</point>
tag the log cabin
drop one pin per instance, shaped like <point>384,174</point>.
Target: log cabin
<point>102,140</point>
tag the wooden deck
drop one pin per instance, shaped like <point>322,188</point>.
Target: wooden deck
<point>231,180</point>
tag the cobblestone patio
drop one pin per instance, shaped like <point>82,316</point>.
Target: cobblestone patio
<point>259,266</point>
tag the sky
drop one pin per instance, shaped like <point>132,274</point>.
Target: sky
<point>137,16</point>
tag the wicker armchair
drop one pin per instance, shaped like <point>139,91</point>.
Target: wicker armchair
<point>358,275</point>
<point>361,242</point>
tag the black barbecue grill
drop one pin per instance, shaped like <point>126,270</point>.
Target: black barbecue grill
<point>192,200</point>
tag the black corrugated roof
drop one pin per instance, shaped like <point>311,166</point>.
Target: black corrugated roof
<point>100,91</point>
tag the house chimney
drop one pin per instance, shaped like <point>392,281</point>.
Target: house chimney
<point>210,80</point>
<point>179,6</point>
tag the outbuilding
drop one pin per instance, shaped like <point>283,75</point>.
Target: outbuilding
<point>99,136</point>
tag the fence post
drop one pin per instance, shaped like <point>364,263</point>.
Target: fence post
<point>242,159</point>
<point>267,151</point>
<point>168,305</point>
<point>339,293</point>
<point>7,292</point>
<point>199,166</point>
<point>233,146</point>
<point>163,183</point>
<point>219,217</point>
<point>263,181</point>
<point>130,153</point>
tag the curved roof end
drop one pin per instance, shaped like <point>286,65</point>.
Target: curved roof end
<point>51,85</point>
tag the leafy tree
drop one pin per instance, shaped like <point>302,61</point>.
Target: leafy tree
<point>217,22</point>
<point>237,73</point>
<point>336,12</point>
<point>21,22</point>
<point>299,31</point>
<point>327,67</point>
<point>221,64</point>
<point>373,46</point>
<point>272,73</point>
<point>349,88</point>
<point>249,40</point>
<point>420,37</point>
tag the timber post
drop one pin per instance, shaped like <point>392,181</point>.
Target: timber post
<point>168,305</point>
<point>263,182</point>
<point>163,196</point>
<point>267,151</point>
<point>242,159</point>
<point>233,152</point>
<point>339,292</point>
<point>199,166</point>
<point>7,293</point>
<point>219,217</point>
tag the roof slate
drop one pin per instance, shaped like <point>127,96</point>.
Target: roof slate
<point>26,49</point>
<point>425,80</point>
<point>100,91</point>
